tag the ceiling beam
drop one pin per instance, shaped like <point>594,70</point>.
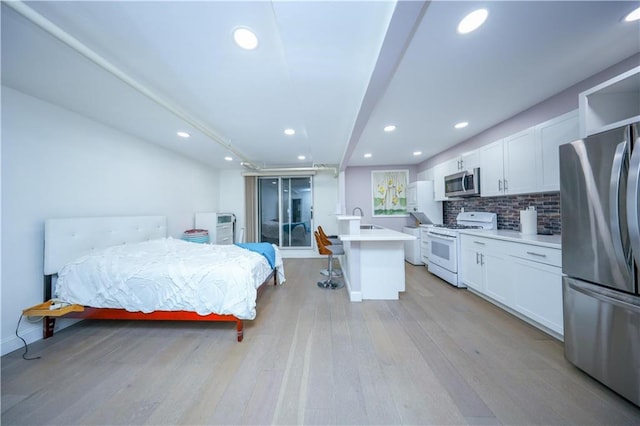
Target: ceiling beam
<point>404,22</point>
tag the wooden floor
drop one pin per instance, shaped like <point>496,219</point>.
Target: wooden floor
<point>439,355</point>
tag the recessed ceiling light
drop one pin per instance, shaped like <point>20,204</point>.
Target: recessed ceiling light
<point>461,125</point>
<point>472,21</point>
<point>633,16</point>
<point>289,132</point>
<point>228,159</point>
<point>301,157</point>
<point>245,38</point>
<point>416,153</point>
<point>183,134</point>
<point>390,128</point>
<point>367,155</point>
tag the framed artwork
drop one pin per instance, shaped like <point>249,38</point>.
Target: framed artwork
<point>389,192</point>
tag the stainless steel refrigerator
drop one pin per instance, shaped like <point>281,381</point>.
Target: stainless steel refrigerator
<point>600,257</point>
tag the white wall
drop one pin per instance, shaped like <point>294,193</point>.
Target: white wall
<point>56,163</point>
<point>231,197</point>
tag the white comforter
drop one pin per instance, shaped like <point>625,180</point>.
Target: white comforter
<point>168,275</point>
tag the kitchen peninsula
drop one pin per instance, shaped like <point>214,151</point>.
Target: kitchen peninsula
<point>373,263</point>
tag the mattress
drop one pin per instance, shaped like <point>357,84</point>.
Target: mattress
<point>168,275</point>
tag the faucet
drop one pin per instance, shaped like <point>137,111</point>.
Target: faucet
<point>354,211</point>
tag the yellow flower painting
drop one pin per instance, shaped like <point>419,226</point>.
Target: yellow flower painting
<point>389,192</point>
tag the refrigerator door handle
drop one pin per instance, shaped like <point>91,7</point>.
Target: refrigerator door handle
<point>633,202</point>
<point>614,202</point>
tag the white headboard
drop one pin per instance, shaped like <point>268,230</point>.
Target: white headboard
<point>67,239</point>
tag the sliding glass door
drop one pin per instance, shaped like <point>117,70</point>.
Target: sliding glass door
<point>285,210</point>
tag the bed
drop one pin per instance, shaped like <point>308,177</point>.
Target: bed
<point>127,268</point>
<point>271,232</point>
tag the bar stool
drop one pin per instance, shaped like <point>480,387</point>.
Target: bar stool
<point>330,242</point>
<point>332,238</point>
<point>330,282</point>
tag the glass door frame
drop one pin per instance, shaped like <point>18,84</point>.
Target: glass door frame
<point>285,211</point>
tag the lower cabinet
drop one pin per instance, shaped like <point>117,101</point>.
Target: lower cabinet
<point>484,267</point>
<point>424,246</point>
<point>526,279</point>
<point>538,293</point>
<point>472,273</point>
<point>498,276</point>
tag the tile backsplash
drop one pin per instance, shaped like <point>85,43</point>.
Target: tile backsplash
<point>508,210</point>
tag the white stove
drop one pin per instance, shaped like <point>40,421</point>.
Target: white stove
<point>444,244</point>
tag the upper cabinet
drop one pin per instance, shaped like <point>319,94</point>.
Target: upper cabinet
<point>612,104</point>
<point>528,161</point>
<point>520,164</point>
<point>549,136</point>
<point>466,161</point>
<point>508,166</point>
<point>492,169</point>
<point>439,172</point>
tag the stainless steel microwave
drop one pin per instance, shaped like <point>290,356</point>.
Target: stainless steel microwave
<point>463,184</point>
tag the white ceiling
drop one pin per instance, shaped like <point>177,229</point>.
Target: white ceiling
<point>336,72</point>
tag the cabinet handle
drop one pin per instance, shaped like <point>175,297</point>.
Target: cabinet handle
<point>477,259</point>
<point>479,242</point>
<point>506,188</point>
<point>536,254</point>
<point>499,184</point>
<point>481,259</point>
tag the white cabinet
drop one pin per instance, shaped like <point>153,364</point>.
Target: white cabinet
<point>611,104</point>
<point>549,136</point>
<point>472,273</point>
<point>523,278</point>
<point>420,198</point>
<point>538,293</point>
<point>219,225</point>
<point>520,163</point>
<point>484,267</point>
<point>412,196</point>
<point>491,169</point>
<point>508,166</point>
<point>466,161</point>
<point>439,172</point>
<point>424,246</point>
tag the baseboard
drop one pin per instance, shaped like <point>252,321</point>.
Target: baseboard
<point>31,332</point>
<point>299,254</point>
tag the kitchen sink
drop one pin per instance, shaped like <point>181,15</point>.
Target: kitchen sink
<point>370,227</point>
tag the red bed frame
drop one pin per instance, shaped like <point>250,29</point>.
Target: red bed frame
<point>121,314</point>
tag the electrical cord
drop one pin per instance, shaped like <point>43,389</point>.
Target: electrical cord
<point>26,347</point>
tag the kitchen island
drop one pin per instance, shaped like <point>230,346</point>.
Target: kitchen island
<point>373,263</point>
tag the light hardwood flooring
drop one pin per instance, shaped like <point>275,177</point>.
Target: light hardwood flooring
<point>439,355</point>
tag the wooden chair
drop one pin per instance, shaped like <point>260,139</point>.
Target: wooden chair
<point>333,239</point>
<point>330,271</point>
<point>330,282</point>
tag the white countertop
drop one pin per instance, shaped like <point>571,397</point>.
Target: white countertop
<point>377,235</point>
<point>346,217</point>
<point>552,241</point>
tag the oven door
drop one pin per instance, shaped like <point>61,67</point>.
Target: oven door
<point>442,251</point>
